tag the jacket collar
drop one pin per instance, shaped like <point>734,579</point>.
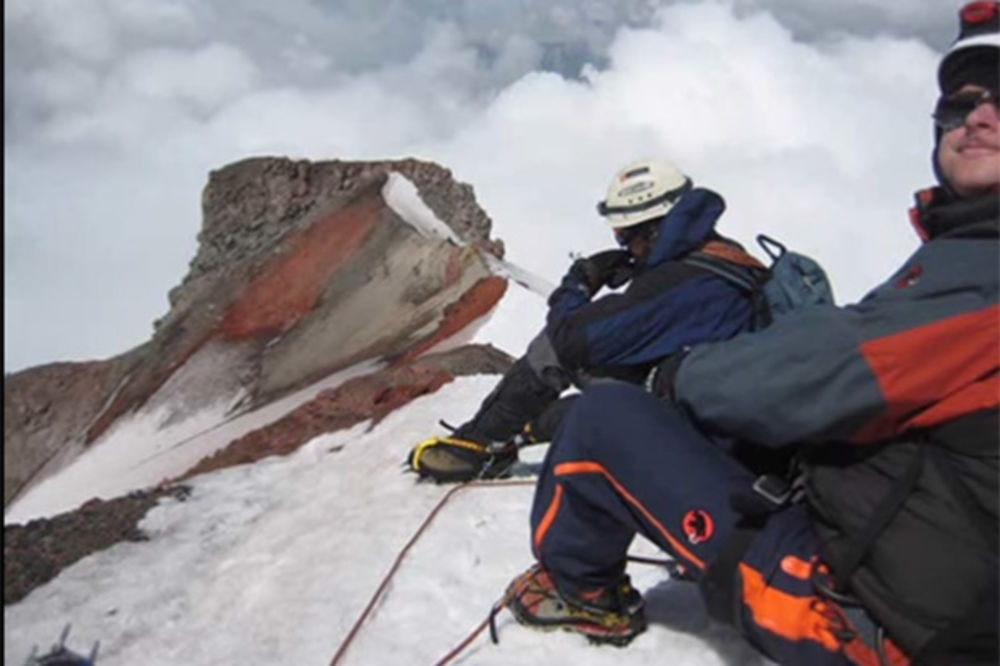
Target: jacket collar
<point>940,214</point>
<point>687,226</point>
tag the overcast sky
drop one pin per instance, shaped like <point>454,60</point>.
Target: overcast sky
<point>810,117</point>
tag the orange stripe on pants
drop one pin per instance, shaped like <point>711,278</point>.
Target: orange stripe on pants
<point>574,468</point>
<point>807,619</point>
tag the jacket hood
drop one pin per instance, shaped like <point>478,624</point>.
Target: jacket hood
<point>939,213</point>
<point>687,226</point>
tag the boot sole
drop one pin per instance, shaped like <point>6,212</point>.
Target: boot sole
<point>595,634</point>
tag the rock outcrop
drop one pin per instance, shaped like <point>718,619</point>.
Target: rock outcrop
<point>302,269</point>
<point>370,397</point>
<point>35,553</point>
<point>47,411</point>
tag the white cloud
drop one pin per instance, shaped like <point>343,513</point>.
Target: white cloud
<point>223,72</point>
<point>112,124</point>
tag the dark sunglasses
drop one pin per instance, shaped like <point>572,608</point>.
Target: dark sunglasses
<point>624,235</point>
<point>951,112</point>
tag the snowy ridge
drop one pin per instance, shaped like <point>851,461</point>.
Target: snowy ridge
<point>530,281</point>
<point>140,450</point>
<point>272,563</point>
<point>403,198</point>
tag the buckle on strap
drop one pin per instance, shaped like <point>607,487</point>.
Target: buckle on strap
<point>773,488</point>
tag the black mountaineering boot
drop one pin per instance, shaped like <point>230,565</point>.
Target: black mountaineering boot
<point>519,398</point>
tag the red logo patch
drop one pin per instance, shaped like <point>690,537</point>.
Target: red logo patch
<point>910,278</point>
<point>698,526</point>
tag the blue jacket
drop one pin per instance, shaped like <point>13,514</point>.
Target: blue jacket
<point>668,304</point>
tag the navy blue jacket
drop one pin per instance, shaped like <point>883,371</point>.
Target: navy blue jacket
<point>667,305</point>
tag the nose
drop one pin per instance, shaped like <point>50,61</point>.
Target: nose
<point>984,115</point>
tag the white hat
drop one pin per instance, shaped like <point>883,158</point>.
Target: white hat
<point>643,191</point>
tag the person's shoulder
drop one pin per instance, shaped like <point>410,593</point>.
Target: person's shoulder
<point>667,275</point>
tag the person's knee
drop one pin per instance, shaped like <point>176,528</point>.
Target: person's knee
<point>601,420</point>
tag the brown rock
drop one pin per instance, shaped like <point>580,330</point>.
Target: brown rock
<point>302,269</point>
<point>372,397</point>
<point>35,553</point>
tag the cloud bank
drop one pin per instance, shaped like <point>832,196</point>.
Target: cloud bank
<point>812,121</point>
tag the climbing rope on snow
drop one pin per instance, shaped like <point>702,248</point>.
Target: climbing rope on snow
<point>676,571</point>
<point>402,554</point>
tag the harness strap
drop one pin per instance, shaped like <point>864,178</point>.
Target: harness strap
<point>723,269</point>
<point>862,541</point>
<point>739,277</point>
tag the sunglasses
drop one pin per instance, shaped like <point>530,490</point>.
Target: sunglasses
<point>624,235</point>
<point>951,112</point>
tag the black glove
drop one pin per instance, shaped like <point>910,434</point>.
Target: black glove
<point>610,267</point>
<point>660,381</point>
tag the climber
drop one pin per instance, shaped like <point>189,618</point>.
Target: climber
<point>658,218</point>
<point>880,547</point>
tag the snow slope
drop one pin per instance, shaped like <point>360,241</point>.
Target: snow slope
<point>272,563</point>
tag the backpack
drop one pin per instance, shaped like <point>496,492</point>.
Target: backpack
<point>792,282</point>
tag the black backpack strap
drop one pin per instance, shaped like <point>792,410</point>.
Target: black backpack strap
<point>723,269</point>
<point>740,278</point>
<point>861,541</point>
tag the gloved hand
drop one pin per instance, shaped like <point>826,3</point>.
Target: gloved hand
<point>660,381</point>
<point>610,267</point>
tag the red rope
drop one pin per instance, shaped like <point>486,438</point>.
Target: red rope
<point>399,559</point>
<point>409,544</point>
<point>500,605</point>
<point>457,650</point>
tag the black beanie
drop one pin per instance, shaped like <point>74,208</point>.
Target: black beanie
<point>978,66</point>
<point>975,55</point>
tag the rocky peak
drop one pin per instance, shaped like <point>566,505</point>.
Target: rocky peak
<point>302,269</point>
<point>257,202</point>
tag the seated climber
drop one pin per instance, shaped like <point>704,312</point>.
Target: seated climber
<point>882,547</point>
<point>659,218</point>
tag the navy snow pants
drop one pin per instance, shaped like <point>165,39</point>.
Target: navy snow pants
<point>625,462</point>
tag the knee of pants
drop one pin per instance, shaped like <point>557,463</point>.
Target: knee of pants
<point>611,418</point>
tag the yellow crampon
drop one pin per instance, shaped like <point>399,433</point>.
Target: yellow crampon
<point>417,454</point>
<point>452,459</point>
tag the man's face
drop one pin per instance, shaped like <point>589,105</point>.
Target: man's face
<point>969,155</point>
<point>639,239</point>
<point>640,247</point>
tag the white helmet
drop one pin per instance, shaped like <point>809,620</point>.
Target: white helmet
<point>643,191</point>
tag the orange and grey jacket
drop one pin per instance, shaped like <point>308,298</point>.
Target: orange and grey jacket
<point>893,403</point>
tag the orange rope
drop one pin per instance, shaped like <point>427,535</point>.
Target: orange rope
<point>399,559</point>
<point>342,650</point>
